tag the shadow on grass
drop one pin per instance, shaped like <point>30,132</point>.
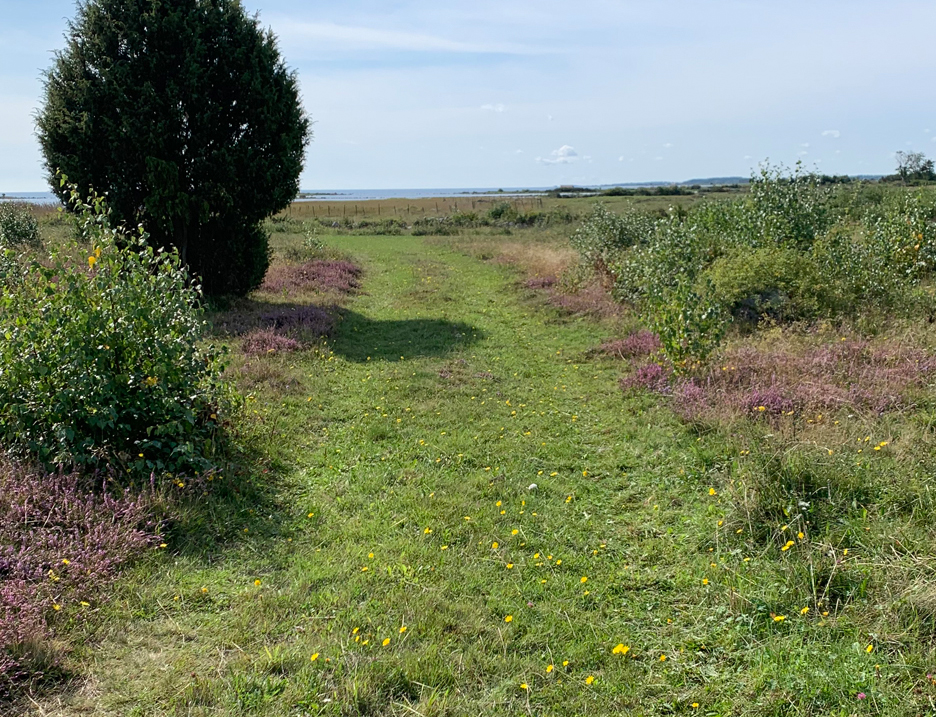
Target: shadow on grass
<point>359,338</point>
<point>241,316</point>
<point>240,502</point>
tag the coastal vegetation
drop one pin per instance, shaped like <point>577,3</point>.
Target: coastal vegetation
<point>645,455</point>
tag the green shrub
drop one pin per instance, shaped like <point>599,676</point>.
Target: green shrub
<point>857,273</point>
<point>9,270</point>
<point>604,235</point>
<point>785,210</point>
<point>903,232</point>
<point>101,362</point>
<point>18,226</point>
<point>502,212</point>
<point>673,252</point>
<point>769,282</point>
<point>791,249</point>
<point>690,325</point>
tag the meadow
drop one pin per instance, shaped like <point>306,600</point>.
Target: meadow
<point>490,489</point>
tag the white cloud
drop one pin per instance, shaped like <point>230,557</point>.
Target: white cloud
<point>667,145</point>
<point>620,159</point>
<point>831,133</point>
<point>519,151</point>
<point>564,155</point>
<point>747,156</point>
<point>803,153</point>
<point>658,159</point>
<point>549,118</point>
<point>804,144</point>
<point>494,108</point>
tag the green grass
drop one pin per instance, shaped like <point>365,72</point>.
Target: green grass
<point>398,457</point>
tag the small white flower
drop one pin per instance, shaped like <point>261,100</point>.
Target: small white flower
<point>533,486</point>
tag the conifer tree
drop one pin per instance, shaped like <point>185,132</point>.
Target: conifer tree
<point>184,113</point>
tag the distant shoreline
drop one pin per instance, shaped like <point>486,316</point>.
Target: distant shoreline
<point>362,195</point>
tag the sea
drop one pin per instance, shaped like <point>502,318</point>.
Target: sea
<point>343,195</point>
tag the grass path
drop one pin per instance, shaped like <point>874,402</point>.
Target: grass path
<point>410,566</point>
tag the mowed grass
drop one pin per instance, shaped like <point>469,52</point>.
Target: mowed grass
<point>461,513</point>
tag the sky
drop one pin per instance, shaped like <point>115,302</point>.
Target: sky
<point>517,93</point>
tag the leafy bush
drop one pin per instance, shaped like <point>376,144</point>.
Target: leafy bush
<point>18,226</point>
<point>673,253</point>
<point>604,235</point>
<point>791,249</point>
<point>502,211</point>
<point>785,210</point>
<point>435,226</point>
<point>198,129</point>
<point>903,234</point>
<point>101,361</point>
<point>773,282</point>
<point>9,270</point>
<point>689,325</point>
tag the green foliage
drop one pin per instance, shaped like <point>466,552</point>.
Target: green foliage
<point>690,325</point>
<point>8,267</point>
<point>784,210</point>
<point>603,235</point>
<point>502,211</point>
<point>18,226</point>
<point>791,249</point>
<point>776,282</point>
<point>184,113</point>
<point>100,361</point>
<point>903,232</point>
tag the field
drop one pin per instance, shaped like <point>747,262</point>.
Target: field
<point>415,208</point>
<point>456,506</point>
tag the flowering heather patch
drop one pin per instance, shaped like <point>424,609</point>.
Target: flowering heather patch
<point>307,319</point>
<point>635,345</point>
<point>770,401</point>
<point>293,322</point>
<point>588,301</point>
<point>268,341</point>
<point>59,546</point>
<point>772,383</point>
<point>540,282</point>
<point>319,275</point>
<point>650,377</point>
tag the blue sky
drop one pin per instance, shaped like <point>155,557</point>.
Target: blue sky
<point>414,93</point>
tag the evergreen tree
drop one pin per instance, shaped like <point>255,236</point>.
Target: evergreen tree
<point>185,115</point>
